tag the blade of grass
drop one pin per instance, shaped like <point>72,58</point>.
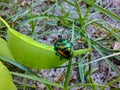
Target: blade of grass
<point>87,13</point>
<point>108,61</point>
<point>6,1</point>
<point>111,83</point>
<point>24,85</point>
<point>36,17</point>
<point>81,71</point>
<point>49,9</point>
<point>28,71</point>
<point>69,2</point>
<point>62,9</point>
<point>90,80</point>
<point>102,47</point>
<point>27,85</point>
<point>20,14</point>
<point>112,32</point>
<point>87,85</point>
<point>89,56</point>
<point>23,26</point>
<point>81,21</point>
<point>45,81</point>
<point>102,58</point>
<point>108,13</point>
<point>32,75</point>
<point>115,35</point>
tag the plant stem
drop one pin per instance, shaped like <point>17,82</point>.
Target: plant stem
<point>1,19</point>
<point>67,78</point>
<point>81,21</point>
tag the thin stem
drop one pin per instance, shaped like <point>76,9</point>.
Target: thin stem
<point>81,21</point>
<point>67,78</point>
<point>1,19</point>
<point>69,2</point>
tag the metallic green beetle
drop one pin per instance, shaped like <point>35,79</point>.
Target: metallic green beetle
<point>63,48</point>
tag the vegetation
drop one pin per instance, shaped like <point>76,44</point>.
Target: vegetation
<point>91,24</point>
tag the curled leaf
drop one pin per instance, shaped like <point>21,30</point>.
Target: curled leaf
<point>27,51</point>
<point>33,54</point>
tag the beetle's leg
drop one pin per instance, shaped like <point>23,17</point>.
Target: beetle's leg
<point>56,53</point>
<point>60,58</point>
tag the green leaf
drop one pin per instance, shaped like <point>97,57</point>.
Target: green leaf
<point>4,50</point>
<point>81,71</point>
<point>6,82</point>
<point>33,54</point>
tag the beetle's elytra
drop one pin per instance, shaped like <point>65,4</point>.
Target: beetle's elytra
<point>63,48</point>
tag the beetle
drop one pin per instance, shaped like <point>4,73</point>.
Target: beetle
<point>63,48</point>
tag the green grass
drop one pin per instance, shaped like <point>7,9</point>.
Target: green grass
<point>44,23</point>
